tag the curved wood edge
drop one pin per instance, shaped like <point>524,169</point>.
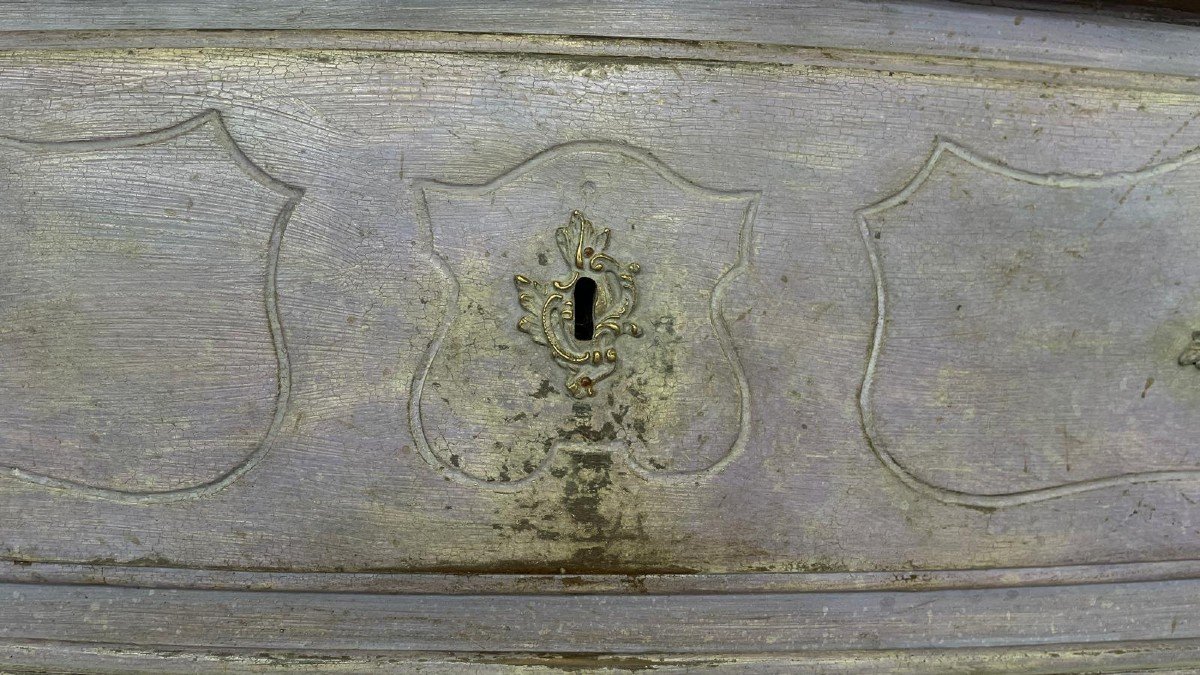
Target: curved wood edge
<point>748,198</point>
<point>993,500</point>
<point>930,27</point>
<point>465,582</point>
<point>766,624</point>
<point>36,656</point>
<point>591,49</point>
<point>292,195</point>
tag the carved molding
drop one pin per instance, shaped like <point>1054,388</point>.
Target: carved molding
<point>1065,181</point>
<point>747,199</point>
<point>212,121</point>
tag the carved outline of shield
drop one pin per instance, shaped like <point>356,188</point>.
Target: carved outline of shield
<point>720,328</point>
<point>275,326</point>
<point>865,407</point>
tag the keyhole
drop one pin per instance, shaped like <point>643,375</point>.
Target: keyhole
<point>585,303</point>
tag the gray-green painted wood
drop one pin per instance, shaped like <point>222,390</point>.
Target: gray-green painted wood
<point>914,367</point>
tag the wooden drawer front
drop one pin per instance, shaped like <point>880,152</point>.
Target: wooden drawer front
<point>352,312</point>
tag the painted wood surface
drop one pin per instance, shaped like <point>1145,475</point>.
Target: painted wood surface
<point>899,349</point>
<point>361,294</point>
<point>928,28</point>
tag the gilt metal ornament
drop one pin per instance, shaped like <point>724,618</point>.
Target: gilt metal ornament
<point>580,317</point>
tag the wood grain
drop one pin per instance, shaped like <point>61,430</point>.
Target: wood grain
<point>918,311</point>
<point>589,624</point>
<point>929,28</point>
<point>1174,656</point>
<point>360,298</point>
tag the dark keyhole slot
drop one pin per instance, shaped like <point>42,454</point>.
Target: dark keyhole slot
<point>585,304</point>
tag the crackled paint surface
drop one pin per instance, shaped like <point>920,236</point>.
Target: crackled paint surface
<point>422,431</point>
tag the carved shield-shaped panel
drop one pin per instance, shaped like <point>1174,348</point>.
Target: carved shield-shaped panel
<point>1035,364</point>
<point>584,313</point>
<point>141,355</point>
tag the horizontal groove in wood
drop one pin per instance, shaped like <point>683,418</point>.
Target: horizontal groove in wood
<point>928,28</point>
<point>606,584</point>
<point>82,657</point>
<point>737,623</point>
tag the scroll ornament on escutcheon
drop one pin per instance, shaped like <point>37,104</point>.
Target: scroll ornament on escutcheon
<point>488,405</point>
<point>580,317</point>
